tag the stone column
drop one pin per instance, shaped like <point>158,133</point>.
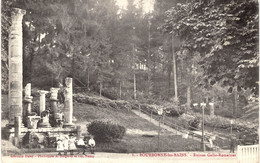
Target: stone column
<point>78,132</point>
<point>42,101</point>
<point>15,59</point>
<point>28,99</point>
<point>68,104</point>
<point>54,100</point>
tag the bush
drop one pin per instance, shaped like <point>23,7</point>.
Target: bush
<point>110,93</point>
<point>106,131</point>
<point>194,124</point>
<point>173,108</point>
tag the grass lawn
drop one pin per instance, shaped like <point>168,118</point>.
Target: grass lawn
<point>139,143</point>
<point>85,113</point>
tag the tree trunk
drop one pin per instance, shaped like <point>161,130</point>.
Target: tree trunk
<point>235,102</point>
<point>188,96</point>
<point>169,83</point>
<point>100,89</point>
<point>174,71</point>
<point>120,90</point>
<point>88,80</point>
<point>134,86</point>
<point>134,72</point>
<point>148,61</point>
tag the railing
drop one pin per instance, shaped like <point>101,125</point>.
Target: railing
<point>181,129</point>
<point>249,153</point>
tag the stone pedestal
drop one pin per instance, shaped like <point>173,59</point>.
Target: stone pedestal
<point>15,59</point>
<point>68,105</point>
<point>42,101</point>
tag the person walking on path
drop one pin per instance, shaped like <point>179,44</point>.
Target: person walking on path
<point>92,144</point>
<point>72,145</point>
<point>66,145</point>
<point>60,147</point>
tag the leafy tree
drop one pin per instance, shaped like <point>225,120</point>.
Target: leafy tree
<point>224,33</point>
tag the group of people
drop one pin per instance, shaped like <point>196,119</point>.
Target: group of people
<point>70,144</point>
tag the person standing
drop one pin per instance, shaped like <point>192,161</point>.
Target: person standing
<point>72,145</point>
<point>233,144</point>
<point>92,144</point>
<point>66,145</point>
<point>81,145</point>
<point>60,147</point>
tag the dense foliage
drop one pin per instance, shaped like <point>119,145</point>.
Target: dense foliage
<point>106,131</point>
<point>112,50</point>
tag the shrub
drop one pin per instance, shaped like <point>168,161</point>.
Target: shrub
<point>106,131</point>
<point>194,124</point>
<point>185,119</point>
<point>173,108</point>
<point>110,93</point>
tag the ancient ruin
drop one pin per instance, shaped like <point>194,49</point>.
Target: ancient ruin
<point>36,127</point>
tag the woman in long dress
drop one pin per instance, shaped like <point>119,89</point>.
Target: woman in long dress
<point>72,145</point>
<point>60,147</point>
<point>66,145</point>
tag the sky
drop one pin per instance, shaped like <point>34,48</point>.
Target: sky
<point>148,4</point>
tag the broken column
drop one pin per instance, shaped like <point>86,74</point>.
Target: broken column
<point>68,104</point>
<point>54,100</point>
<point>42,101</point>
<point>15,59</point>
<point>79,132</point>
<point>28,100</point>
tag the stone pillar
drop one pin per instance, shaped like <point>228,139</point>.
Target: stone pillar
<point>17,130</point>
<point>54,100</point>
<point>15,59</point>
<point>78,132</point>
<point>68,104</point>
<point>28,99</point>
<point>42,101</point>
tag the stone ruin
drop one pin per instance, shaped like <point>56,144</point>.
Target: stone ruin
<point>27,128</point>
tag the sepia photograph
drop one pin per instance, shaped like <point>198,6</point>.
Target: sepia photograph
<point>130,81</point>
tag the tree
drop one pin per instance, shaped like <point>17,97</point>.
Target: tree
<point>217,30</point>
